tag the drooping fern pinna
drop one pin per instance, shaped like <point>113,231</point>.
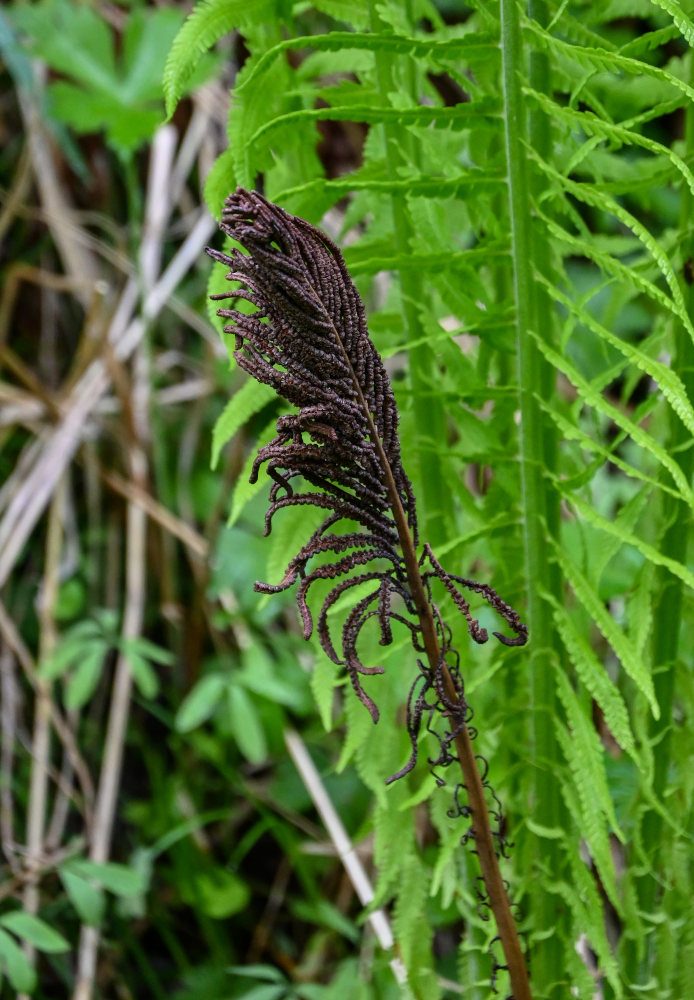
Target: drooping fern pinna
<point>306,337</point>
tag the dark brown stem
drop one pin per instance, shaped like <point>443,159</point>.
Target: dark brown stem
<point>481,827</point>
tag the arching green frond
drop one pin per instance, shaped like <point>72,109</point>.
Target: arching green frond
<point>612,527</point>
<point>594,677</point>
<point>680,18</point>
<point>607,62</point>
<point>461,116</point>
<point>589,598</point>
<point>668,380</point>
<point>209,21</point>
<point>593,398</point>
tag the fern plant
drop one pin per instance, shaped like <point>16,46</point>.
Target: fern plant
<point>519,226</point>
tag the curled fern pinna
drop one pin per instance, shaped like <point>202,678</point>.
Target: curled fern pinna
<point>307,338</point>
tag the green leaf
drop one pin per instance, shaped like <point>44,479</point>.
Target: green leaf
<point>248,400</point>
<point>118,879</point>
<point>245,724</point>
<point>83,682</point>
<point>35,931</point>
<point>87,899</point>
<point>244,489</point>
<point>209,21</point>
<point>19,969</point>
<point>589,598</point>
<point>200,703</point>
<point>258,971</point>
<point>144,675</point>
<point>148,650</point>
<point>595,679</point>
<point>218,893</point>
<point>72,648</point>
<point>121,96</point>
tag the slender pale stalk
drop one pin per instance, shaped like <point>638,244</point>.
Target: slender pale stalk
<point>41,738</point>
<point>537,453</point>
<point>361,883</point>
<point>429,422</point>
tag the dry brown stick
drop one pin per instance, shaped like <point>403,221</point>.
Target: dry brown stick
<point>9,696</point>
<point>109,778</point>
<point>343,846</point>
<point>77,262</point>
<point>136,561</point>
<point>51,456</point>
<point>41,738</point>
<point>10,634</point>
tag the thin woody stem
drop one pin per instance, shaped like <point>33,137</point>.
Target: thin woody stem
<point>481,827</point>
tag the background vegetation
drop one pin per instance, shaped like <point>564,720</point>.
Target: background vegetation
<point>513,189</point>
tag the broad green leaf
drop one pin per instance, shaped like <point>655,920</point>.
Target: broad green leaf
<point>209,21</point>
<point>71,649</point>
<point>20,971</point>
<point>34,930</point>
<point>245,724</point>
<point>149,650</point>
<point>87,898</point>
<point>116,878</point>
<point>144,675</point>
<point>200,703</point>
<point>248,400</point>
<point>83,681</point>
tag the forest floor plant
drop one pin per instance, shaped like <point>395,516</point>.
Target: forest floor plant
<point>306,337</point>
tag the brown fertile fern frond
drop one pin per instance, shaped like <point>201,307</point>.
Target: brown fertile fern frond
<point>307,338</point>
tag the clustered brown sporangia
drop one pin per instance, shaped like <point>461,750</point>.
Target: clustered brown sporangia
<point>307,338</point>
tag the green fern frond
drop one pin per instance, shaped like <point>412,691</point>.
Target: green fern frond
<point>624,650</point>
<point>475,113</point>
<point>591,397</point>
<point>603,60</point>
<point>583,762</point>
<point>629,538</point>
<point>482,46</point>
<point>592,125</point>
<point>665,377</point>
<point>245,403</point>
<point>683,23</point>
<point>209,21</point>
<point>595,679</point>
